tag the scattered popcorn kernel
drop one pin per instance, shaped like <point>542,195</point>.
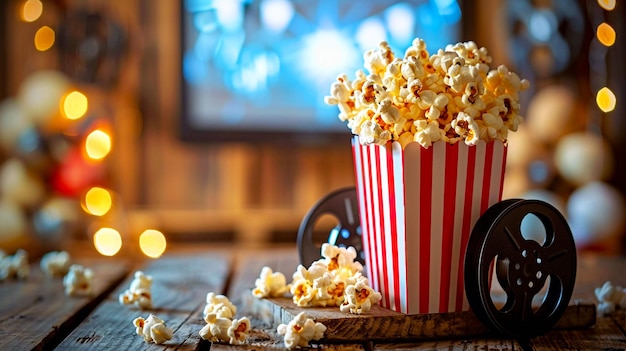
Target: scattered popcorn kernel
<point>55,263</point>
<point>300,331</point>
<point>216,329</point>
<point>238,331</point>
<point>152,329</point>
<point>14,266</point>
<point>610,298</point>
<point>139,293</point>
<point>219,305</point>
<point>360,297</point>
<point>270,284</point>
<point>78,281</point>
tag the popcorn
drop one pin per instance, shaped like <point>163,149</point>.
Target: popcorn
<point>225,330</point>
<point>238,331</point>
<point>78,281</point>
<point>55,263</point>
<point>431,92</point>
<point>360,297</point>
<point>300,331</point>
<point>219,305</point>
<point>219,314</point>
<point>216,329</point>
<point>139,293</point>
<point>610,297</point>
<point>152,329</point>
<point>270,284</point>
<point>15,265</point>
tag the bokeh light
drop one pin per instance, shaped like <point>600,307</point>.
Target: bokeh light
<point>152,243</point>
<point>606,34</point>
<point>98,201</point>
<point>75,105</point>
<point>608,5</point>
<point>44,38</point>
<point>107,241</point>
<point>97,144</point>
<point>31,10</point>
<point>606,100</point>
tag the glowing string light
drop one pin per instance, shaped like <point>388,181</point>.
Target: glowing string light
<point>107,241</point>
<point>608,5</point>
<point>31,10</point>
<point>605,34</point>
<point>97,144</point>
<point>75,105</point>
<point>44,38</point>
<point>606,100</point>
<point>98,201</point>
<point>152,243</point>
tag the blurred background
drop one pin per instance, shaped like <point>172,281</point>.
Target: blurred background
<point>129,124</point>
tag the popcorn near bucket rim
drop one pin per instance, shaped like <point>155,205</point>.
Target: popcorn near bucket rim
<point>452,95</point>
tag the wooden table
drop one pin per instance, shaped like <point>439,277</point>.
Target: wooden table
<point>36,314</point>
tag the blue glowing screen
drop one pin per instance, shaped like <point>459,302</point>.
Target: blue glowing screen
<point>265,65</point>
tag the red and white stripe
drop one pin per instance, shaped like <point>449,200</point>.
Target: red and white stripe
<point>418,207</point>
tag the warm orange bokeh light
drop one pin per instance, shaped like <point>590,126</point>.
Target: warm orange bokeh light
<point>44,38</point>
<point>605,34</point>
<point>31,10</point>
<point>608,5</point>
<point>152,243</point>
<point>98,201</point>
<point>606,100</point>
<point>107,241</point>
<point>98,144</point>
<point>74,105</point>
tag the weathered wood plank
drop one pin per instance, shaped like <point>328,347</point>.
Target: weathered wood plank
<point>36,314</point>
<point>179,288</point>
<point>460,345</point>
<point>605,335</point>
<point>384,324</point>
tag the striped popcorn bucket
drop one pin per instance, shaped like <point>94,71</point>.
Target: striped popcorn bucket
<point>418,207</point>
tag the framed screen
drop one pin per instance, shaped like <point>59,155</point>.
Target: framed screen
<point>258,70</point>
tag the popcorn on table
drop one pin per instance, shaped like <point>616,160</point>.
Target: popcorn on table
<point>55,263</point>
<point>225,330</point>
<point>270,284</point>
<point>360,297</point>
<point>610,297</point>
<point>219,305</point>
<point>301,330</point>
<point>78,280</point>
<point>152,329</point>
<point>14,266</point>
<point>139,293</point>
<point>325,281</point>
<point>449,96</point>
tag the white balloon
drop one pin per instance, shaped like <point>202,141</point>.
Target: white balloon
<point>40,94</point>
<point>596,212</point>
<point>583,157</point>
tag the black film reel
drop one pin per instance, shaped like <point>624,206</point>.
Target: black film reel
<point>523,267</point>
<point>342,204</point>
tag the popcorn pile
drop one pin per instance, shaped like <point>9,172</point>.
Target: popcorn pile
<point>221,325</point>
<point>610,298</point>
<point>452,95</point>
<point>334,280</point>
<point>138,293</point>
